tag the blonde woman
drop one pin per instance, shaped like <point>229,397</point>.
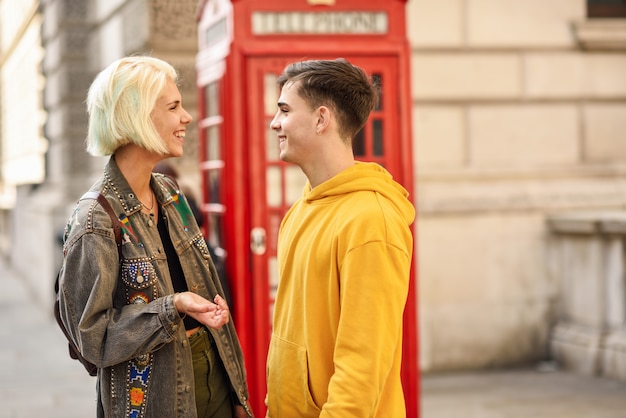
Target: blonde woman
<point>154,321</point>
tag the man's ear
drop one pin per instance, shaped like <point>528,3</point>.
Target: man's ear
<point>323,119</point>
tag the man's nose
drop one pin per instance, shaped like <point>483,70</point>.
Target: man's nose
<point>274,124</point>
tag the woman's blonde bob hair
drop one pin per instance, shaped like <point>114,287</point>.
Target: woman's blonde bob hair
<point>120,101</point>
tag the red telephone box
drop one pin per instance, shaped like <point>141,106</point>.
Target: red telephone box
<point>243,46</point>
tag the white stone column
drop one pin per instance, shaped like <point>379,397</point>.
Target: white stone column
<point>590,336</point>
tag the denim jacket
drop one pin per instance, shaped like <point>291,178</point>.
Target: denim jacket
<point>121,313</point>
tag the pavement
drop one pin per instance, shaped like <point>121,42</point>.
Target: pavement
<point>38,378</point>
<point>540,392</point>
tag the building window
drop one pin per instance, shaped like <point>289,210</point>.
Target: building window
<point>604,28</point>
<point>606,8</point>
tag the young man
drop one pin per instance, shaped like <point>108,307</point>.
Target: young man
<point>344,252</point>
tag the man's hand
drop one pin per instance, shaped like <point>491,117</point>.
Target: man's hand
<point>214,315</point>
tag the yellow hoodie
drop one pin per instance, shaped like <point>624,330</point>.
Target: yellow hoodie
<point>344,255</point>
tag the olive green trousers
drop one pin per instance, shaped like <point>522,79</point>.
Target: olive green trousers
<point>213,399</point>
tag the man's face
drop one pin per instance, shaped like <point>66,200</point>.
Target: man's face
<point>295,125</point>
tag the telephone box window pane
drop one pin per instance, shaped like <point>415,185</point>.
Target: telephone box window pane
<point>377,79</point>
<point>271,93</point>
<point>272,266</point>
<point>377,129</point>
<point>215,235</point>
<point>274,188</point>
<point>358,144</point>
<point>211,97</point>
<point>272,236</point>
<point>273,276</point>
<point>295,182</point>
<point>213,150</point>
<point>271,144</point>
<point>213,186</point>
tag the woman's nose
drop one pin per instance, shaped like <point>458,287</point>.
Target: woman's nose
<point>187,118</point>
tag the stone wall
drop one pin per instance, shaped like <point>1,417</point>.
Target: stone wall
<point>513,120</point>
<point>80,38</point>
<point>41,211</point>
<point>588,253</point>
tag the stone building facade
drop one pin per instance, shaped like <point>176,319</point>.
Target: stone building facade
<point>81,37</point>
<point>519,114</point>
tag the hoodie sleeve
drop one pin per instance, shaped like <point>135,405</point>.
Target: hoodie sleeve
<point>374,280</point>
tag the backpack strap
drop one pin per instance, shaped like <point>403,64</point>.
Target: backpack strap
<point>73,349</point>
<point>109,210</point>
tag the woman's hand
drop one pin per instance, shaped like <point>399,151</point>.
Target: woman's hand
<point>214,315</point>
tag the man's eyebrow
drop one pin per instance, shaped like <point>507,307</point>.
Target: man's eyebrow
<point>280,104</point>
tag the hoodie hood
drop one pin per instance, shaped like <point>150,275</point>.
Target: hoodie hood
<point>363,177</point>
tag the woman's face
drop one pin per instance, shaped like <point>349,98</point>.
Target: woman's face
<point>170,119</point>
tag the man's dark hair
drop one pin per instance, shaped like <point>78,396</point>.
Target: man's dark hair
<point>343,87</point>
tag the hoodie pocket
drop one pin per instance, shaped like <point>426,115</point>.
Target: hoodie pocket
<point>288,381</point>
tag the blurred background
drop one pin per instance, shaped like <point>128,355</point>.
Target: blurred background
<point>505,119</point>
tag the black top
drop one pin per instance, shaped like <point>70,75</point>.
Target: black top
<point>173,264</point>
